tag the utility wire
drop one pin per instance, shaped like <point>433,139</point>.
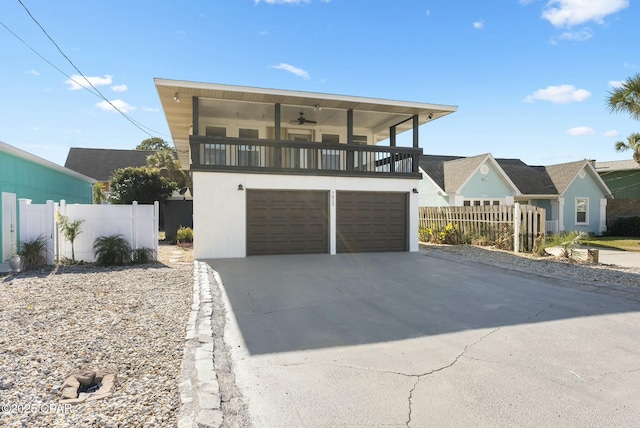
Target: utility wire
<point>46,60</point>
<point>97,91</point>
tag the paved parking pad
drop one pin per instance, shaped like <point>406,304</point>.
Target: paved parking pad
<point>406,339</point>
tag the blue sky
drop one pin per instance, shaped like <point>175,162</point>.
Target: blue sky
<point>530,78</point>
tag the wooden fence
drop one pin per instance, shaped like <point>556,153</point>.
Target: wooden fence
<point>522,222</point>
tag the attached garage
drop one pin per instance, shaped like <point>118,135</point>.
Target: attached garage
<point>371,222</point>
<point>287,222</point>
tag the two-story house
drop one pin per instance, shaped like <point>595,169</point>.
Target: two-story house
<point>289,172</point>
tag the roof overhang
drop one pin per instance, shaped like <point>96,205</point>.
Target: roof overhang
<point>257,104</point>
<point>4,147</point>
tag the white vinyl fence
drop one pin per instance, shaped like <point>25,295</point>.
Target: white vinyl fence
<point>138,224</point>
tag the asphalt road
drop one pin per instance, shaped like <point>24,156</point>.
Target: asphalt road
<point>407,339</point>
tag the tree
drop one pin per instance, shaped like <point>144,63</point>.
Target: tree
<point>98,194</point>
<point>168,165</point>
<point>154,143</point>
<point>139,184</point>
<point>70,229</point>
<point>626,98</point>
<point>633,144</point>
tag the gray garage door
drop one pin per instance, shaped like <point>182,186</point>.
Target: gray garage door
<point>287,222</point>
<point>371,222</point>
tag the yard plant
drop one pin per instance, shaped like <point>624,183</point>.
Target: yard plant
<point>33,253</point>
<point>70,229</point>
<point>111,250</point>
<point>184,234</point>
<point>143,255</point>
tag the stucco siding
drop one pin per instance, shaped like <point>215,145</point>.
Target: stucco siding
<point>219,208</point>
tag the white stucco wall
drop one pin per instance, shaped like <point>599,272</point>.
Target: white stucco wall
<point>219,208</point>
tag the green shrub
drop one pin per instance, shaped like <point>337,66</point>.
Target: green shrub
<point>33,253</point>
<point>111,250</point>
<point>184,234</point>
<point>625,226</point>
<point>448,235</point>
<point>567,241</point>
<point>143,255</point>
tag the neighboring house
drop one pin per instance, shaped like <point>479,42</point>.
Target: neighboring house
<point>573,194</point>
<point>623,178</point>
<point>285,172</point>
<point>23,175</point>
<point>100,164</point>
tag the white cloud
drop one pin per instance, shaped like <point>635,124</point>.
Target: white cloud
<point>294,70</point>
<point>565,13</point>
<point>578,36</point>
<point>123,106</point>
<point>78,82</point>
<point>119,88</point>
<point>150,109</point>
<point>33,72</point>
<point>428,12</point>
<point>478,25</point>
<point>580,131</point>
<point>616,83</point>
<point>562,94</point>
<point>611,134</point>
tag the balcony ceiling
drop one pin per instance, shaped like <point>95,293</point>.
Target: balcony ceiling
<point>257,104</point>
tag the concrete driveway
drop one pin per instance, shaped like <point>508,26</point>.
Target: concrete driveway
<point>408,339</point>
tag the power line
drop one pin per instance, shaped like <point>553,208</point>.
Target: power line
<point>44,59</point>
<point>97,92</point>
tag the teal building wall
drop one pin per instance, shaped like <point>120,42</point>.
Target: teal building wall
<point>33,178</point>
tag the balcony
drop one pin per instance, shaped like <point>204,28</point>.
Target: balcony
<point>305,158</point>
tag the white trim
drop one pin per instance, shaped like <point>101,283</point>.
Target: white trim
<point>283,95</point>
<point>603,215</point>
<point>575,212</point>
<point>4,147</point>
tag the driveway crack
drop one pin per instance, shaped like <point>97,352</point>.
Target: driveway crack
<point>529,318</point>
<point>420,376</point>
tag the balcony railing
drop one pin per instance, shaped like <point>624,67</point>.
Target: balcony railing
<point>293,157</point>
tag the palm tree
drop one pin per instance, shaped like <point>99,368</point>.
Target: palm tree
<point>626,98</point>
<point>633,143</point>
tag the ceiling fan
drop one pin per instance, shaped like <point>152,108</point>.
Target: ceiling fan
<point>303,120</point>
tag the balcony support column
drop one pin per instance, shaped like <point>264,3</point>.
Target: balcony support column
<point>416,123</point>
<point>350,154</point>
<point>277,153</point>
<point>195,102</point>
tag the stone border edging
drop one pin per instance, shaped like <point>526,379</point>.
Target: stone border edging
<point>198,383</point>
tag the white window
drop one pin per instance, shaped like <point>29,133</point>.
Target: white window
<point>582,210</point>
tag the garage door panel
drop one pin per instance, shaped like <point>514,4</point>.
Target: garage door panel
<point>287,222</point>
<point>371,221</point>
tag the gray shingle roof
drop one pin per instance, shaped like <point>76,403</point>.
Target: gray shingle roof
<point>563,174</point>
<point>623,165</point>
<point>449,172</point>
<point>530,180</point>
<point>458,170</point>
<point>100,163</point>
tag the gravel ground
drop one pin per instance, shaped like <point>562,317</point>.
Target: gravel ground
<point>132,319</point>
<point>548,265</point>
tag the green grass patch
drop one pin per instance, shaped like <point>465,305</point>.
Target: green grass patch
<point>615,242</point>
